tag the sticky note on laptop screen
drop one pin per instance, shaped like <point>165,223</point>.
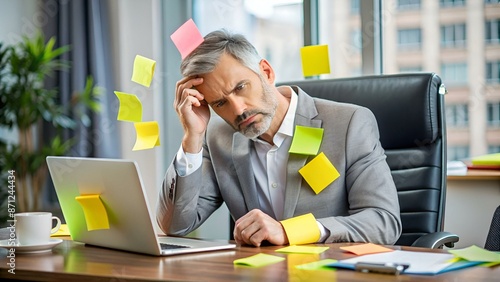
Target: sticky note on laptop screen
<point>186,38</point>
<point>147,135</point>
<point>306,140</point>
<point>144,69</point>
<point>130,107</point>
<point>95,213</point>
<point>315,60</point>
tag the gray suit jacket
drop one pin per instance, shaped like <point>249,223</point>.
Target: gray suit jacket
<point>359,206</point>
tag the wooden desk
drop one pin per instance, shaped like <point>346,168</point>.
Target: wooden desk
<point>71,261</point>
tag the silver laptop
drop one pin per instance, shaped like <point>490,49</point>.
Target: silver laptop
<point>121,190</point>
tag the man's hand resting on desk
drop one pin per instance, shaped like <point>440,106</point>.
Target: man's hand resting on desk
<point>256,226</point>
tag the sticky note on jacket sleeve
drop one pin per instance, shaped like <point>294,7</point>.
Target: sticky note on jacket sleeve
<point>96,216</point>
<point>301,229</point>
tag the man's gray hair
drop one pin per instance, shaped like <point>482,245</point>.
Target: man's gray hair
<point>206,56</point>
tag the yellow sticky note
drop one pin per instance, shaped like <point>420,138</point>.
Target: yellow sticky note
<point>95,212</point>
<point>144,69</point>
<point>302,249</point>
<point>301,229</point>
<point>130,107</point>
<point>364,249</point>
<point>63,231</point>
<point>148,135</point>
<point>475,253</point>
<point>490,159</point>
<point>317,265</point>
<point>315,60</point>
<point>319,173</point>
<point>306,140</point>
<point>258,260</point>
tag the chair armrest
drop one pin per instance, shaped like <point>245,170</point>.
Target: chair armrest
<point>436,240</point>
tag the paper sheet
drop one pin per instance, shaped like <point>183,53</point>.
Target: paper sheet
<point>143,71</point>
<point>186,38</point>
<point>130,107</point>
<point>315,60</point>
<point>96,216</point>
<point>148,135</point>
<point>319,173</point>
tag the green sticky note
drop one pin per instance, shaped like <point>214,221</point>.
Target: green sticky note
<point>258,260</point>
<point>302,249</point>
<point>475,253</point>
<point>317,265</point>
<point>319,173</point>
<point>130,107</point>
<point>315,60</point>
<point>148,135</point>
<point>143,71</point>
<point>306,140</point>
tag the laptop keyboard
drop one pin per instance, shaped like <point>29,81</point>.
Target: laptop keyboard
<point>165,246</point>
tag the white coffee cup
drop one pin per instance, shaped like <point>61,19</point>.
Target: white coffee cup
<point>35,228</point>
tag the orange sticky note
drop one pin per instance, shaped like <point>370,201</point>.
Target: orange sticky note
<point>301,229</point>
<point>143,71</point>
<point>130,107</point>
<point>315,60</point>
<point>148,135</point>
<point>319,173</point>
<point>186,38</point>
<point>96,216</point>
<point>365,249</point>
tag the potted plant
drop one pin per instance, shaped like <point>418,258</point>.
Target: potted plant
<point>25,104</point>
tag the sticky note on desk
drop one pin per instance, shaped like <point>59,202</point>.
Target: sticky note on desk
<point>306,140</point>
<point>317,265</point>
<point>315,60</point>
<point>319,173</point>
<point>130,107</point>
<point>258,260</point>
<point>365,249</point>
<point>96,216</point>
<point>148,135</point>
<point>186,38</point>
<point>490,159</point>
<point>63,231</point>
<point>143,71</point>
<point>475,253</point>
<point>302,249</point>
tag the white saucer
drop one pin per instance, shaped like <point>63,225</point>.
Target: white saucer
<point>41,248</point>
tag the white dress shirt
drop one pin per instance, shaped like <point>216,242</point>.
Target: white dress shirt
<point>269,163</point>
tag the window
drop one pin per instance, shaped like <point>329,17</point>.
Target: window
<point>410,69</point>
<point>453,35</point>
<point>493,149</point>
<point>454,73</point>
<point>457,152</point>
<point>493,114</point>
<point>457,115</point>
<point>492,31</point>
<point>451,3</point>
<point>409,38</point>
<point>408,4</point>
<point>264,23</point>
<point>355,7</point>
<point>493,72</point>
<point>491,1</point>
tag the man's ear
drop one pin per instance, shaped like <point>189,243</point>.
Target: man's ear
<point>267,71</point>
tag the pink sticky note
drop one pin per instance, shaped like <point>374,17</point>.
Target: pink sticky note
<point>364,249</point>
<point>186,38</point>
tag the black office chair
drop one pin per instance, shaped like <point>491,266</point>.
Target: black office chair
<point>493,238</point>
<point>409,109</point>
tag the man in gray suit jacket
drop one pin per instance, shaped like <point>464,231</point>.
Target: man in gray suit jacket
<point>240,156</point>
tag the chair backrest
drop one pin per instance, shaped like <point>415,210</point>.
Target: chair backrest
<point>409,109</point>
<point>493,238</point>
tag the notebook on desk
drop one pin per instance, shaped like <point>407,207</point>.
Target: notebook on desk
<point>119,190</point>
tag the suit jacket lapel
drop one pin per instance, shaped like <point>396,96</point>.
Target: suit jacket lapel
<point>306,111</point>
<point>243,166</point>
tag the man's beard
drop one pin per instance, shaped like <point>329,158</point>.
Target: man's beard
<point>256,129</point>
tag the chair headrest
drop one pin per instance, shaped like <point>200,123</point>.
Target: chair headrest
<point>407,106</point>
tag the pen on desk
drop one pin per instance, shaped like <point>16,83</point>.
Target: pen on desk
<point>388,268</point>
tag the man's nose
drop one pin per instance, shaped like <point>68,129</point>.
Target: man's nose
<point>238,105</point>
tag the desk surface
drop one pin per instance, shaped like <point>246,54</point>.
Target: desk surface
<point>477,174</point>
<point>71,261</point>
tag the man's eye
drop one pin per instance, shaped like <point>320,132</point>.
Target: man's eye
<point>240,87</point>
<point>219,104</point>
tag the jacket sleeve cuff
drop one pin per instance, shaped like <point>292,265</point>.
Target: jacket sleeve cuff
<point>301,229</point>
